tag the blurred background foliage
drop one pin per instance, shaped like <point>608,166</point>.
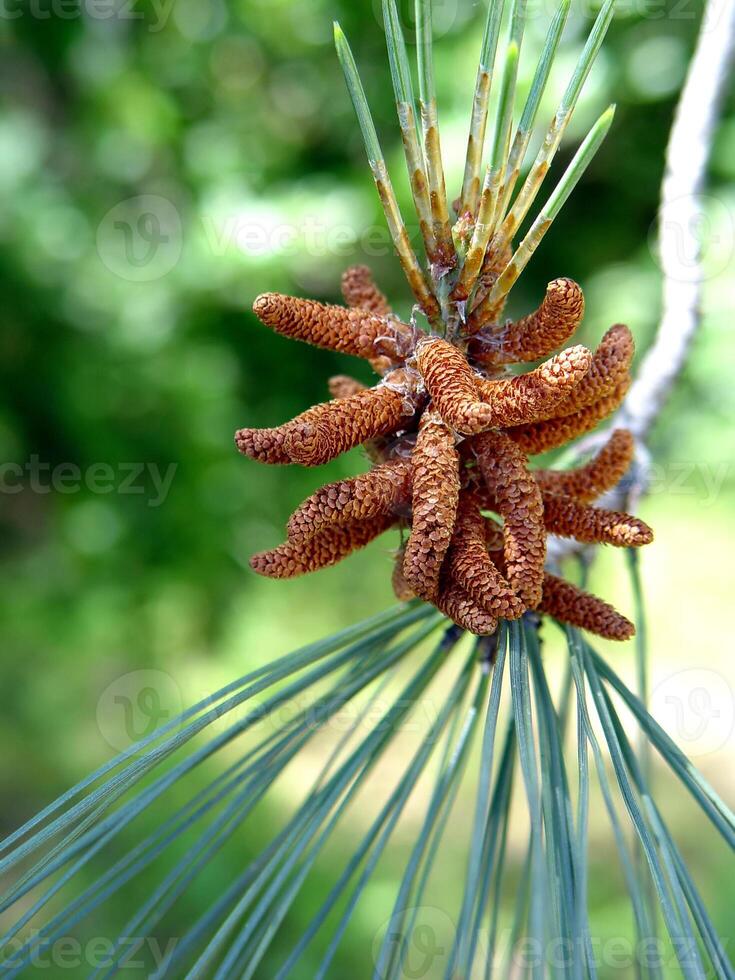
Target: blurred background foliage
<point>160,165</point>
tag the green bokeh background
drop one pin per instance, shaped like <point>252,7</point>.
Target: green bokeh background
<point>232,119</point>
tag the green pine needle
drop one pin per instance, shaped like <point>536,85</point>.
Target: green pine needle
<point>528,116</point>
<point>569,180</point>
<point>357,94</point>
<point>494,175</point>
<point>552,139</point>
<point>406,254</point>
<point>476,141</point>
<point>403,89</point>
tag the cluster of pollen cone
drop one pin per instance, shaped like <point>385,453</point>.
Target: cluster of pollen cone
<point>449,428</point>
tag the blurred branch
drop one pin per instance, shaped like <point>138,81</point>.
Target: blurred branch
<point>687,157</point>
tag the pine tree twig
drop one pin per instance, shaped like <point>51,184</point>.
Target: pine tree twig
<point>687,157</point>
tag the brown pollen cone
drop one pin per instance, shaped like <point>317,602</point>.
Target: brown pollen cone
<point>435,498</point>
<point>264,445</point>
<point>537,394</point>
<point>329,546</point>
<point>448,431</point>
<point>609,370</point>
<point>568,604</point>
<point>350,331</point>
<point>360,291</point>
<point>401,589</point>
<point>534,336</point>
<point>325,431</point>
<point>463,610</point>
<point>342,386</point>
<point>504,469</point>
<point>469,565</point>
<point>541,437</point>
<point>595,478</point>
<point>451,382</point>
<point>384,490</point>
<point>593,525</point>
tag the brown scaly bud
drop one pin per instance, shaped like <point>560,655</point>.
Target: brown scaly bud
<point>342,386</point>
<point>541,437</point>
<point>483,311</point>
<point>534,336</point>
<point>356,332</point>
<point>325,431</point>
<point>264,445</point>
<point>326,548</point>
<point>402,590</point>
<point>451,382</point>
<point>462,609</point>
<point>360,291</point>
<point>469,565</point>
<point>609,370</point>
<point>593,525</point>
<point>504,469</point>
<point>601,474</point>
<point>435,497</point>
<point>495,262</point>
<point>536,395</point>
<point>384,490</point>
<point>568,604</point>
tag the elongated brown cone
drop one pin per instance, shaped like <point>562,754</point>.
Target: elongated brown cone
<point>435,498</point>
<point>504,469</point>
<point>356,332</point>
<point>329,546</point>
<point>594,525</point>
<point>534,336</point>
<point>541,437</point>
<point>265,445</point>
<point>528,397</point>
<point>469,565</point>
<point>384,490</point>
<point>342,386</point>
<point>360,291</point>
<point>451,383</point>
<point>462,609</point>
<point>609,371</point>
<point>601,474</point>
<point>325,431</point>
<point>568,604</point>
<point>401,589</point>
